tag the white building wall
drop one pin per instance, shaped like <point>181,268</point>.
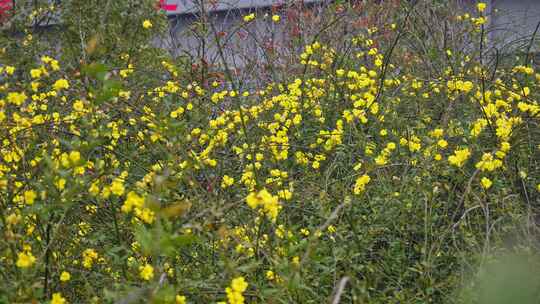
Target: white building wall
<point>246,47</point>
<point>513,23</point>
<point>511,26</point>
<point>193,6</point>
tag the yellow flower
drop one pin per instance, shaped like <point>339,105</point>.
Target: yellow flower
<point>460,157</point>
<point>10,70</point>
<point>249,17</point>
<point>226,181</point>
<point>488,163</point>
<point>442,143</point>
<point>89,256</point>
<point>480,21</point>
<point>13,219</point>
<point>125,72</point>
<point>60,183</point>
<point>381,160</point>
<point>361,183</point>
<point>146,272</point>
<point>436,133</point>
<point>331,228</point>
<point>74,157</point>
<point>61,84</point>
<point>58,299</point>
<point>46,59</point>
<point>65,276</point>
<point>145,214</point>
<point>117,187</point>
<point>29,197</point>
<point>180,299</point>
<point>254,199</point>
<point>276,18</point>
<point>78,106</point>
<point>25,259</point>
<point>35,73</point>
<point>54,65</point>
<point>239,284</point>
<point>133,200</point>
<point>94,189</point>
<point>147,24</point>
<point>266,200</point>
<point>234,293</point>
<point>16,98</point>
<point>486,182</point>
<point>481,6</point>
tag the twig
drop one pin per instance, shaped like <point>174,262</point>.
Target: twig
<point>323,227</point>
<point>340,287</point>
<point>530,44</point>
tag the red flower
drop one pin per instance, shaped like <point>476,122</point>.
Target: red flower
<point>5,6</point>
<point>163,5</point>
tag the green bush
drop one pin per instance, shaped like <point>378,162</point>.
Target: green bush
<point>379,166</point>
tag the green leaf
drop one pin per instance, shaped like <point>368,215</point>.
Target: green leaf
<point>95,70</point>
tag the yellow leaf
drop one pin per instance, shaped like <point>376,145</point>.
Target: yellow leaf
<point>92,44</point>
<point>177,209</point>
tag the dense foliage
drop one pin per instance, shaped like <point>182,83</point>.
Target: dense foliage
<point>368,171</point>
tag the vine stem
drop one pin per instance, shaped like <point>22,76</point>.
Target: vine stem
<point>47,258</point>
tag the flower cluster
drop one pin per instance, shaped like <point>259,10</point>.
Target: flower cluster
<point>234,292</point>
<point>269,203</point>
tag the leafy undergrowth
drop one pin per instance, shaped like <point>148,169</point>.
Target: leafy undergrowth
<point>360,179</point>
